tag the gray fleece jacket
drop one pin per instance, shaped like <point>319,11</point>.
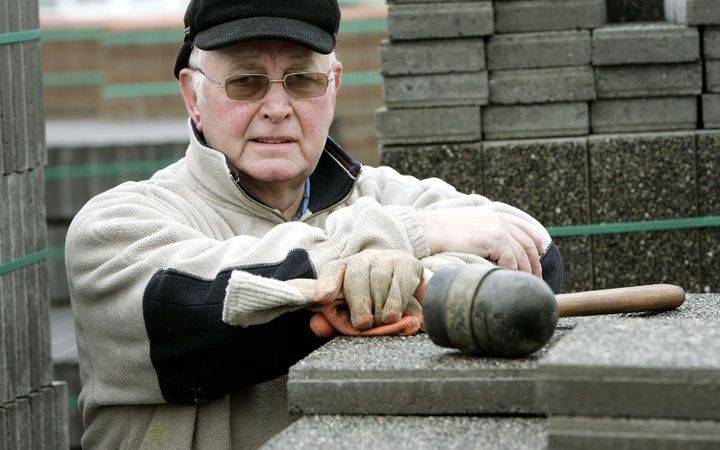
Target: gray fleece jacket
<point>150,267</point>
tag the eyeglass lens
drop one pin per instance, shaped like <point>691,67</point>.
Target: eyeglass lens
<point>255,86</point>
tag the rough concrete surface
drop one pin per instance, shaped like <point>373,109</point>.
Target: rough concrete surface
<point>426,125</point>
<point>539,49</point>
<point>693,12</point>
<point>548,85</point>
<point>645,43</point>
<point>545,15</point>
<point>436,56</point>
<point>643,114</point>
<point>440,20</point>
<point>436,90</point>
<point>535,121</point>
<point>652,80</point>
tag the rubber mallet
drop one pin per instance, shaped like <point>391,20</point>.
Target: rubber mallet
<point>487,311</point>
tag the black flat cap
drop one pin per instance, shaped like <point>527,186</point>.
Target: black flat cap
<point>214,24</point>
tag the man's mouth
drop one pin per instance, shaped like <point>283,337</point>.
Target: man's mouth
<point>273,140</point>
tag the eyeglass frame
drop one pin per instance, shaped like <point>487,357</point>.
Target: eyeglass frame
<point>223,83</point>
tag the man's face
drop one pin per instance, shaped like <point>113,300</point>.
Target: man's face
<point>273,140</point>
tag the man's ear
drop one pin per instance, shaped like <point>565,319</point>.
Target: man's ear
<point>190,96</point>
<point>337,73</point>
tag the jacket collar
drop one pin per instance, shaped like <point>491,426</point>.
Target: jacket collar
<point>332,180</point>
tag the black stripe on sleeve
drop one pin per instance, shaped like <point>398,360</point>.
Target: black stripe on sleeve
<point>552,268</point>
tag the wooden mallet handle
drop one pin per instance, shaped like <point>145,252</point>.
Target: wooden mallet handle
<point>652,297</point>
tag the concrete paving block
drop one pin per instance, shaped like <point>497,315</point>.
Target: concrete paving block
<point>409,375</point>
<point>24,422</point>
<point>636,177</point>
<point>693,12</point>
<point>48,405</point>
<point>426,125</point>
<point>4,288</point>
<point>17,56</point>
<point>712,75</point>
<point>37,410</point>
<point>576,253</point>
<point>421,433</point>
<point>440,20</point>
<point>711,110</point>
<point>620,11</point>
<point>535,121</point>
<point>601,433</point>
<point>708,165</point>
<point>35,301</point>
<point>7,107</point>
<point>711,42</point>
<point>645,43</point>
<point>436,56</point>
<point>459,164</point>
<point>9,302</point>
<point>653,80</point>
<point>436,90</point>
<point>18,198</point>
<point>11,425</point>
<point>4,444</point>
<point>540,49</point>
<point>62,435</point>
<point>549,85</point>
<point>36,122</point>
<point>546,15</point>
<point>634,369</point>
<point>643,114</point>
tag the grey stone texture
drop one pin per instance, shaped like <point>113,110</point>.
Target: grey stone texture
<point>656,173</point>
<point>540,49</point>
<point>411,433</point>
<point>548,85</point>
<point>62,435</point>
<point>440,20</point>
<point>712,75</point>
<point>436,56</point>
<point>711,110</point>
<point>620,11</point>
<point>546,15</point>
<point>458,164</point>
<point>643,114</point>
<point>24,422</point>
<point>591,433</point>
<point>6,357</point>
<point>548,178</point>
<point>652,80</point>
<point>409,375</point>
<point>708,182</point>
<point>436,90</point>
<point>11,425</point>
<point>635,369</point>
<point>645,43</point>
<point>711,42</point>
<point>535,121</point>
<point>427,125</point>
<point>693,12</point>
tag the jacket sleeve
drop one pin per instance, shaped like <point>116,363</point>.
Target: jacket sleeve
<point>148,285</point>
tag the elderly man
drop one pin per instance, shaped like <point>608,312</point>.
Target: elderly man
<point>262,196</point>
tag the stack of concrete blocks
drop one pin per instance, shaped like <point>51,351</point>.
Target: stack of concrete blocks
<point>640,381</point>
<point>33,410</point>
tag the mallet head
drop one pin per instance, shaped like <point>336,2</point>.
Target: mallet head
<point>487,311</point>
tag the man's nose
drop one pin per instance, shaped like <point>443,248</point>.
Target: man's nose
<point>276,103</point>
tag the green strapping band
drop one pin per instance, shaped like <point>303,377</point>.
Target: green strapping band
<point>147,89</point>
<point>89,78</point>
<point>20,36</point>
<point>93,170</point>
<point>25,261</point>
<point>635,227</point>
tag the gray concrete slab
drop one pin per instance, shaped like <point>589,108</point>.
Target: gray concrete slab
<point>460,164</point>
<point>9,302</point>
<point>711,42</point>
<point>7,106</point>
<point>48,404</point>
<point>635,369</point>
<point>535,121</point>
<point>411,433</point>
<point>643,114</point>
<point>596,433</point>
<point>539,49</point>
<point>37,420</point>
<point>436,56</point>
<point>409,375</point>
<point>645,176</point>
<point>41,277</point>
<point>36,131</point>
<point>693,12</point>
<point>712,75</point>
<point>24,422</point>
<point>645,43</point>
<point>32,289</point>
<point>19,69</point>
<point>18,197</point>
<point>546,15</point>
<point>436,90</point>
<point>62,434</point>
<point>711,110</point>
<point>427,125</point>
<point>11,425</point>
<point>708,165</point>
<point>4,307</point>
<point>4,444</point>
<point>548,85</point>
<point>576,252</point>
<point>653,80</point>
<point>440,20</point>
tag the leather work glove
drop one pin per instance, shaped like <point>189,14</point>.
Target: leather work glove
<point>378,286</point>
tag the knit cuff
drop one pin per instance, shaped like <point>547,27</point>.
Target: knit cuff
<point>406,215</point>
<point>253,300</point>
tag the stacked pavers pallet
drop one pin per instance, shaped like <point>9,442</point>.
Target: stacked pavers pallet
<point>644,380</point>
<point>32,407</point>
<point>580,122</point>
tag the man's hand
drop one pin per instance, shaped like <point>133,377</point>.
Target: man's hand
<point>378,285</point>
<point>507,240</point>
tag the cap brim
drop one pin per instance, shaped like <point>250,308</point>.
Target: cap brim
<point>242,30</point>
